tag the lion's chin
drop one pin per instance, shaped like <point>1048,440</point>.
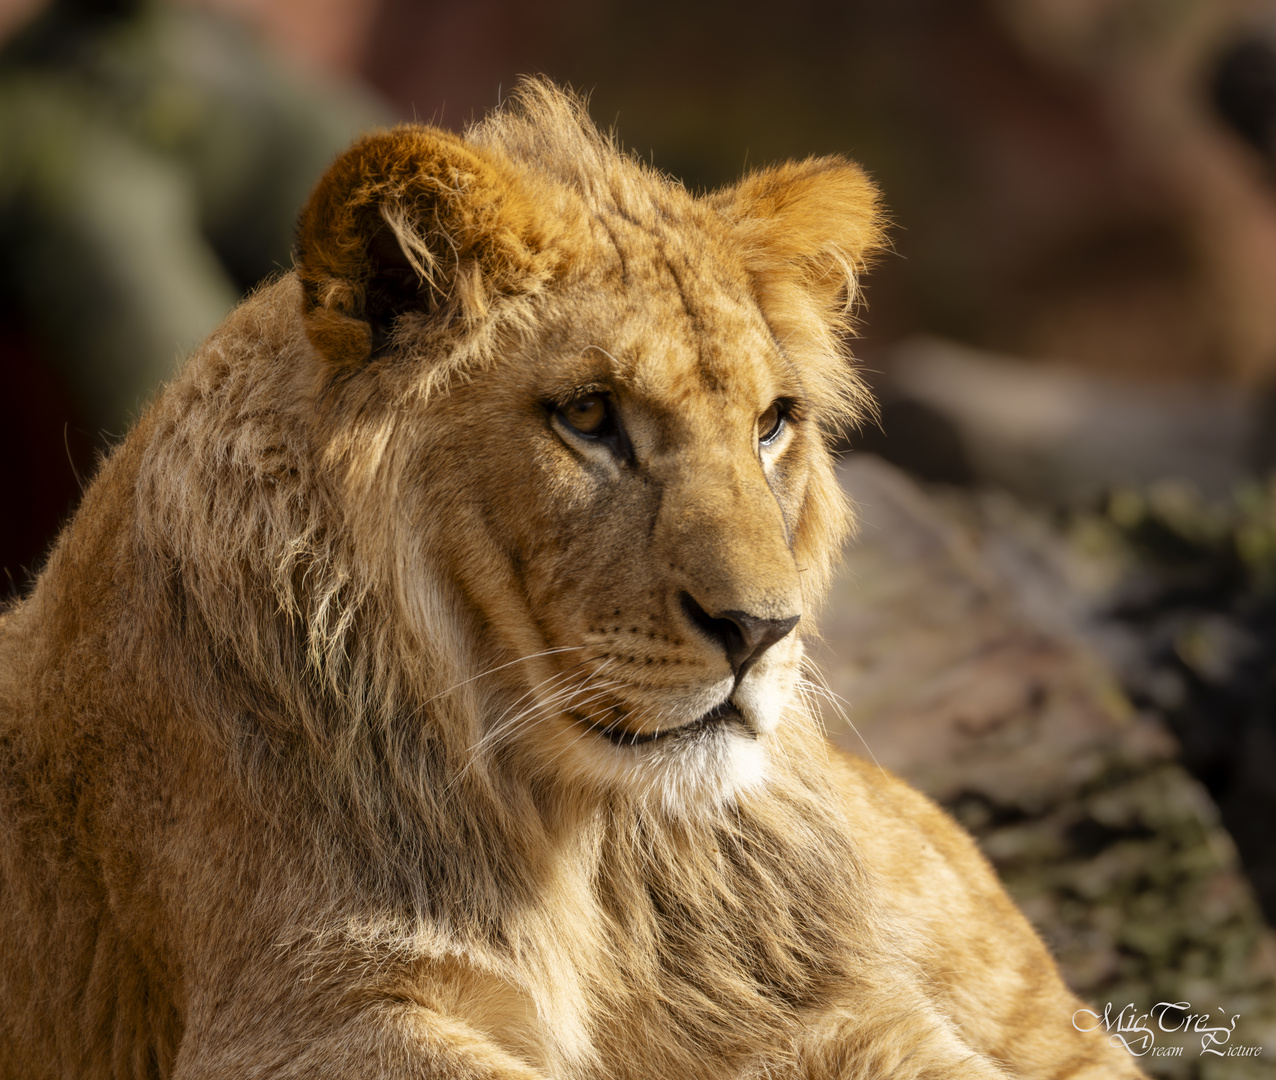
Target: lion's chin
<point>684,772</point>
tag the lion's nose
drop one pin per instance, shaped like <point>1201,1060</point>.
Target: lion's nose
<point>745,637</point>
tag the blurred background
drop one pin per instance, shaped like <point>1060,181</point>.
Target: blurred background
<point>1073,340</point>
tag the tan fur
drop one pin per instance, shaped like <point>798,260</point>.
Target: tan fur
<point>354,727</point>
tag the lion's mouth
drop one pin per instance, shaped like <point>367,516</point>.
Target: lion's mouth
<point>719,715</point>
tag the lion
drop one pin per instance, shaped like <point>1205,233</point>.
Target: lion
<point>418,690</point>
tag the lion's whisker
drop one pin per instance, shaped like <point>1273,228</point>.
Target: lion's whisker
<point>532,691</point>
<point>821,689</point>
<point>502,667</point>
<point>566,695</point>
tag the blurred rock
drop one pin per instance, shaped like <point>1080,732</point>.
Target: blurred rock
<point>1015,724</point>
<point>1178,593</point>
<point>1057,434</point>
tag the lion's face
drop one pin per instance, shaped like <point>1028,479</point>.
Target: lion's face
<point>640,483</point>
<point>628,480</point>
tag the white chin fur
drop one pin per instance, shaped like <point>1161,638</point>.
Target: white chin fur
<point>680,777</point>
<point>767,690</point>
<point>690,777</point>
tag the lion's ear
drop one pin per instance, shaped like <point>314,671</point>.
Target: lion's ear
<point>807,226</point>
<point>411,220</point>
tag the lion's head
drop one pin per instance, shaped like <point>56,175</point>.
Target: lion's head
<point>570,422</point>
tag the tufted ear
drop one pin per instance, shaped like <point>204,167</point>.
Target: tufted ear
<point>412,220</point>
<point>806,228</point>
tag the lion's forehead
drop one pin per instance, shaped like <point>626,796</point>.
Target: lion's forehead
<point>678,318</point>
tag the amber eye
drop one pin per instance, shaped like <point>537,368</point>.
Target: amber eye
<point>587,413</point>
<point>771,423</point>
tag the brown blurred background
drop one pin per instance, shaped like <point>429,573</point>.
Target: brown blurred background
<point>1078,183</point>
<point>1085,183</point>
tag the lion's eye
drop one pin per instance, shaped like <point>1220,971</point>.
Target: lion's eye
<point>771,423</point>
<point>586,414</point>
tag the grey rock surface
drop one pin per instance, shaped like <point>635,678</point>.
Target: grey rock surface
<point>984,700</point>
<point>1064,434</point>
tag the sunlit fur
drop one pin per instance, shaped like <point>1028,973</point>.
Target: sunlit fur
<point>306,762</point>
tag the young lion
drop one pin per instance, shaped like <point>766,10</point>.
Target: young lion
<point>415,692</point>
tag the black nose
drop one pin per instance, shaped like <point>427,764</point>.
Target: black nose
<point>745,637</point>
